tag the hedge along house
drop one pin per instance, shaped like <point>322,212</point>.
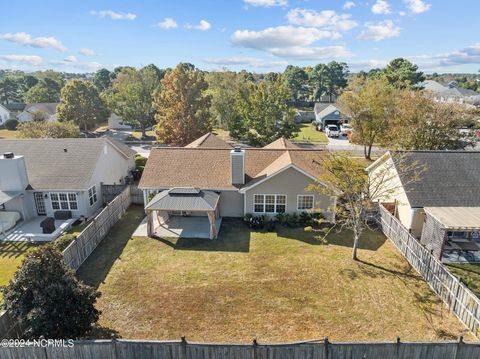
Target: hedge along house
<point>58,178</point>
<point>442,207</point>
<point>260,181</point>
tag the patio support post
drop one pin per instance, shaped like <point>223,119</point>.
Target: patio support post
<point>149,223</point>
<point>213,230</point>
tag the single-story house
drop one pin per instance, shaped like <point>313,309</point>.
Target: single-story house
<point>451,93</point>
<point>430,189</point>
<point>59,178</point>
<point>5,114</point>
<point>327,114</point>
<point>211,179</point>
<point>47,112</point>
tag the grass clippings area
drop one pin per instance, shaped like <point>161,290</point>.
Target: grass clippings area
<point>308,133</point>
<point>11,256</point>
<point>468,273</point>
<point>276,287</point>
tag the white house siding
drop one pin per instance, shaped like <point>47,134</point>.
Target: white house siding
<point>291,183</point>
<point>418,219</point>
<point>4,115</point>
<point>231,204</point>
<point>111,168</point>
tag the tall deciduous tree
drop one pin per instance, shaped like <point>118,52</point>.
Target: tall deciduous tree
<point>266,113</point>
<point>9,90</point>
<point>402,74</point>
<point>370,105</point>
<point>182,106</point>
<point>102,80</point>
<point>81,103</point>
<point>131,96</point>
<point>296,79</point>
<point>48,300</point>
<point>40,93</point>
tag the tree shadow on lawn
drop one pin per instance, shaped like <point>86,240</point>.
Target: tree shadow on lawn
<point>97,266</point>
<point>234,236</point>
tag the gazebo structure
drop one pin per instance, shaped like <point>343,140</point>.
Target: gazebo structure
<point>181,201</point>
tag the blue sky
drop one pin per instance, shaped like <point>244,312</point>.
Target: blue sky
<point>258,35</point>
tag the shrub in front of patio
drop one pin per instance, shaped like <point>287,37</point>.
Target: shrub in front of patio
<point>64,241</point>
<point>48,300</point>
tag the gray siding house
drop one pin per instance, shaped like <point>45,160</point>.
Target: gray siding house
<point>327,114</point>
<point>40,177</point>
<point>260,181</point>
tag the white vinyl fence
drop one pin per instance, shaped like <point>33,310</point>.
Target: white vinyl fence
<point>459,299</point>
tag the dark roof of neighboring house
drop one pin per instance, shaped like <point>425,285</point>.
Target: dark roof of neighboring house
<point>209,168</point>
<point>48,108</point>
<point>61,164</point>
<point>209,140</point>
<point>14,107</point>
<point>447,178</point>
<point>281,143</point>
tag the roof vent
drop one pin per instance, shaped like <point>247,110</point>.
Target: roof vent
<point>237,149</point>
<point>8,155</point>
<point>65,150</point>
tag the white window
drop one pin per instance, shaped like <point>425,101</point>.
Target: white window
<point>269,203</point>
<point>92,195</point>
<point>304,202</point>
<point>64,201</point>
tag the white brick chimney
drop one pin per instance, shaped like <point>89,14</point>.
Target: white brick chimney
<point>237,165</point>
<point>13,173</point>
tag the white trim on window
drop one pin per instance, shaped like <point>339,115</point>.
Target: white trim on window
<point>92,195</point>
<point>304,196</point>
<point>63,201</point>
<point>263,203</point>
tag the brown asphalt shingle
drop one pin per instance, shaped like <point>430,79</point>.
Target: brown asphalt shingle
<point>209,140</point>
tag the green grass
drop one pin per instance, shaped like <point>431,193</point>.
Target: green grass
<point>307,132</point>
<point>468,274</point>
<point>137,135</point>
<point>276,286</point>
<point>7,134</point>
<point>11,256</point>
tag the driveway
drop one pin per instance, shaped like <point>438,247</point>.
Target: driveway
<point>342,144</point>
<point>119,135</point>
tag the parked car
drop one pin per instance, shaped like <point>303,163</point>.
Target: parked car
<point>345,129</point>
<point>332,131</point>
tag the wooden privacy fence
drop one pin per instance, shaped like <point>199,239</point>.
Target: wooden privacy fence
<point>130,349</point>
<point>79,250</point>
<point>109,192</point>
<point>459,299</point>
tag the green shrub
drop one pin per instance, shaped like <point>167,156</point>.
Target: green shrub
<point>140,161</point>
<point>63,241</point>
<point>308,229</point>
<point>247,217</point>
<point>281,218</point>
<point>11,125</point>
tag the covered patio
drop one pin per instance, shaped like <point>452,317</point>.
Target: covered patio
<point>453,233</point>
<point>184,212</point>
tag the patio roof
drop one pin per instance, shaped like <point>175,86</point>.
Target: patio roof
<point>6,196</point>
<point>456,218</point>
<point>184,199</point>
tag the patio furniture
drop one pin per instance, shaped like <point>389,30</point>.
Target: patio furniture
<point>62,215</point>
<point>48,225</point>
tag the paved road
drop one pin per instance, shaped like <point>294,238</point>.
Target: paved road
<point>342,144</point>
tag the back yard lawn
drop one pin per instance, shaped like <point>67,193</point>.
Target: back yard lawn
<point>7,134</point>
<point>468,274</point>
<point>307,132</point>
<point>11,256</point>
<point>277,287</point>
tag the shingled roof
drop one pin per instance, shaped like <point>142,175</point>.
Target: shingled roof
<point>281,143</point>
<point>448,178</point>
<point>64,163</point>
<point>209,140</point>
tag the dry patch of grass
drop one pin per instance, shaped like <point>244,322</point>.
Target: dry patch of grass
<point>468,273</point>
<point>281,286</point>
<point>7,134</point>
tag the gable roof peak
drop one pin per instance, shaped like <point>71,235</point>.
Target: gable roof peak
<point>208,140</point>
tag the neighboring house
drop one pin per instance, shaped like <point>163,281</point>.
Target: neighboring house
<point>209,178</point>
<point>5,115</point>
<point>445,196</point>
<point>15,109</point>
<point>327,114</point>
<point>47,109</point>
<point>451,93</point>
<point>115,122</point>
<point>42,178</point>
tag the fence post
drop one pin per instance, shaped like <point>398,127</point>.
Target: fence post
<point>255,345</point>
<point>397,348</point>
<point>325,348</point>
<point>184,346</point>
<point>457,349</point>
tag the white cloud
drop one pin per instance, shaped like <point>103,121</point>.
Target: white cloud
<point>245,61</point>
<point>203,25</point>
<point>379,31</point>
<point>468,55</point>
<point>381,7</point>
<point>113,15</point>
<point>417,6</point>
<point>402,13</point>
<point>348,5</point>
<point>367,65</point>
<point>311,53</point>
<point>327,19</point>
<point>266,3</point>
<point>27,59</point>
<point>86,51</point>
<point>280,36</point>
<point>72,62</point>
<point>168,23</point>
<point>22,38</point>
